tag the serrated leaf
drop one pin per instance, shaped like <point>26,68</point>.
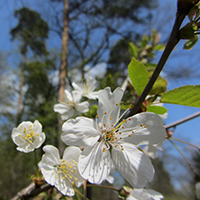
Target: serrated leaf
<point>133,50</point>
<point>188,95</point>
<point>160,110</point>
<point>191,42</point>
<point>138,75</point>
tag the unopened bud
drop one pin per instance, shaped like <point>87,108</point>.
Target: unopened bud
<point>188,31</point>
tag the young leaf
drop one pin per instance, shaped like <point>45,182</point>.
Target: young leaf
<point>133,50</point>
<point>138,75</point>
<point>188,95</point>
<point>160,110</point>
<point>191,42</point>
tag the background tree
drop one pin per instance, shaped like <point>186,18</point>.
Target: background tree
<point>31,32</point>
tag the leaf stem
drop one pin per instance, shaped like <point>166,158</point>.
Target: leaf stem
<point>36,162</point>
<point>172,42</point>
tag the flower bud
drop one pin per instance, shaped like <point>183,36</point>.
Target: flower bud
<point>188,31</point>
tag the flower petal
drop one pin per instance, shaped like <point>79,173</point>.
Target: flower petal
<point>61,108</point>
<point>80,132</point>
<point>82,107</point>
<point>109,106</point>
<point>51,156</point>
<point>94,163</point>
<point>68,96</point>
<point>71,154</point>
<point>153,133</point>
<point>134,166</point>
<point>139,194</point>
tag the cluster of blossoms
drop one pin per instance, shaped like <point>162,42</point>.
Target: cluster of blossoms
<point>96,145</point>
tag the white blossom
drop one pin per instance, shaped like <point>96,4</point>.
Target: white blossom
<point>87,89</point>
<point>108,141</point>
<point>28,136</point>
<point>61,173</point>
<point>72,103</point>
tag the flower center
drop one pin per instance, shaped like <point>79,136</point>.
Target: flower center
<point>66,170</point>
<point>28,134</point>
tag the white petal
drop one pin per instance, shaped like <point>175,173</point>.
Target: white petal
<point>154,132</point>
<point>82,107</point>
<point>76,96</point>
<point>95,164</point>
<point>154,194</point>
<point>68,96</point>
<point>109,103</point>
<point>51,156</point>
<point>72,154</point>
<point>37,127</point>
<point>91,83</point>
<point>39,140</point>
<point>80,132</point>
<point>76,87</point>
<point>139,194</point>
<point>92,95</point>
<point>61,108</point>
<point>134,165</point>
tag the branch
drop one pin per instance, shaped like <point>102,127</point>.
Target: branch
<point>31,191</point>
<point>174,124</point>
<point>172,42</point>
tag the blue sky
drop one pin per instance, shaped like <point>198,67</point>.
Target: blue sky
<point>190,130</point>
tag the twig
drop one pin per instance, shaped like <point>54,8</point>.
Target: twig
<point>85,189</point>
<point>172,42</point>
<point>192,145</point>
<point>31,191</point>
<point>174,124</point>
<point>194,171</point>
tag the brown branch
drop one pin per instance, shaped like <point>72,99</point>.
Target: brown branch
<point>172,42</point>
<point>31,191</point>
<point>174,124</point>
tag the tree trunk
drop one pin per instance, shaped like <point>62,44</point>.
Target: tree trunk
<point>63,66</point>
<point>19,105</point>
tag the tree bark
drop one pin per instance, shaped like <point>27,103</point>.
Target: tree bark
<point>63,66</point>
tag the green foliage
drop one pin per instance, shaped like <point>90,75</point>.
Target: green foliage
<point>160,110</point>
<point>188,95</point>
<point>138,75</point>
<point>31,30</point>
<point>133,50</point>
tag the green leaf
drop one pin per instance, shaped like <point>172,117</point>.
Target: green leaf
<point>133,50</point>
<point>191,42</point>
<point>160,110</point>
<point>138,75</point>
<point>159,47</point>
<point>188,95</point>
<point>144,41</point>
<point>150,65</point>
<point>159,87</point>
